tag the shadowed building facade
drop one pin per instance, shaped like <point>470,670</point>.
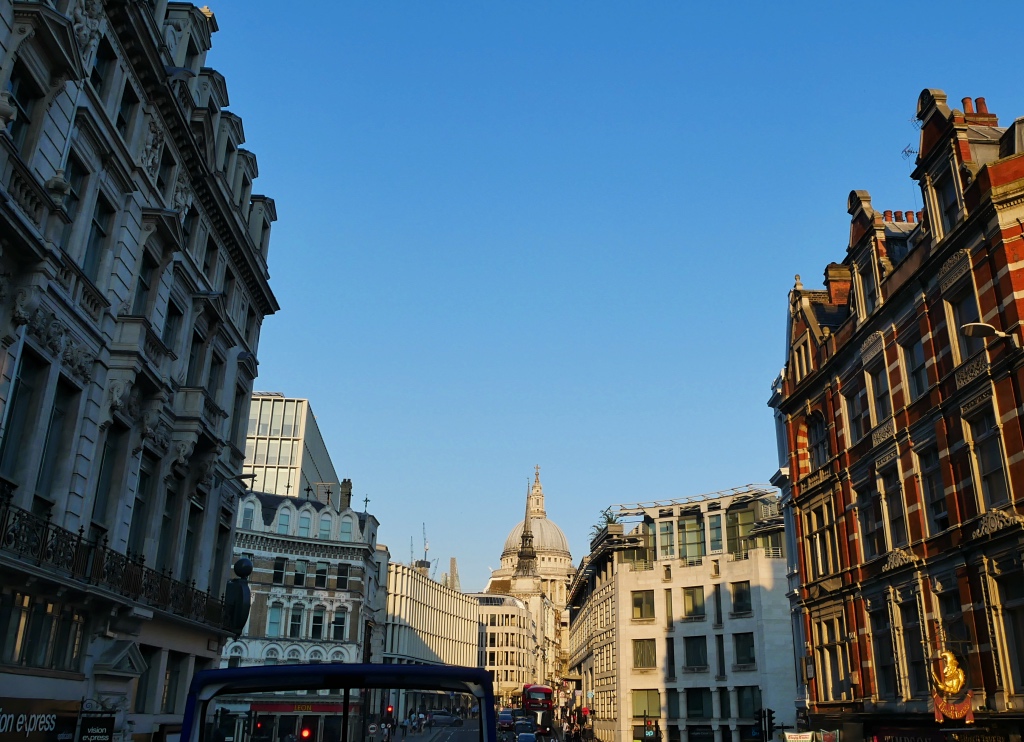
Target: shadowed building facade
<point>133,287</point>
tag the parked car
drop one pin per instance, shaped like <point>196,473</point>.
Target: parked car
<point>446,719</point>
<point>506,721</point>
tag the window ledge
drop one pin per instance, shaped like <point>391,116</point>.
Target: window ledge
<point>746,667</point>
<point>690,619</point>
<point>695,668</point>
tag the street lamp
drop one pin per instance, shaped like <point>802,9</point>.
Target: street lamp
<point>985,330</point>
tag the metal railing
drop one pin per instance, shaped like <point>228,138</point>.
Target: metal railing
<point>39,541</point>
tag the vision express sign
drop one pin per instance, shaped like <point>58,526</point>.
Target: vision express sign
<point>37,720</point>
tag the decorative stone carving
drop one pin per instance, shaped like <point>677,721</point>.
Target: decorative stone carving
<point>996,520</point>
<point>118,387</point>
<point>182,197</point>
<point>88,19</point>
<point>871,347</point>
<point>955,267</point>
<point>184,450</point>
<point>886,457</point>
<point>58,188</point>
<point>970,371</point>
<point>172,35</point>
<point>884,431</point>
<point>77,359</point>
<point>20,315</point>
<point>971,404</point>
<point>899,558</point>
<point>153,148</point>
<point>50,331</point>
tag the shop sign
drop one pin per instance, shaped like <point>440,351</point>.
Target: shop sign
<point>950,700</point>
<point>96,728</point>
<point>37,720</point>
<point>958,710</point>
<point>799,736</point>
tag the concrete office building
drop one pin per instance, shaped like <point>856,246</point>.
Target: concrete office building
<point>426,623</point>
<point>681,619</point>
<point>507,644</point>
<point>133,285</point>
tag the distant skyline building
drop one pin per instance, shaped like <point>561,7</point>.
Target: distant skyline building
<point>536,567</point>
<point>507,644</point>
<point>285,450</point>
<point>684,620</point>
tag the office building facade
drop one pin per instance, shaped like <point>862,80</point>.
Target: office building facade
<point>679,620</point>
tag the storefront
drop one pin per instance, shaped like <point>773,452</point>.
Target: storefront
<point>38,720</point>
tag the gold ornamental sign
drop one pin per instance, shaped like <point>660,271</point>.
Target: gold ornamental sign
<point>951,701</point>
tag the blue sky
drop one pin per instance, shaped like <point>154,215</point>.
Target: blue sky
<point>563,233</point>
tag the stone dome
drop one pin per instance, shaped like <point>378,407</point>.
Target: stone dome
<point>546,537</point>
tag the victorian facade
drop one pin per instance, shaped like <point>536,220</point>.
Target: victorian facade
<point>681,620</point>
<point>133,284</point>
<point>903,449</point>
<point>318,590</point>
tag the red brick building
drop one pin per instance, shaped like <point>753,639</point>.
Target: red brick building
<point>903,450</point>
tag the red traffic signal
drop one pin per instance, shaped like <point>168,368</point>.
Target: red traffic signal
<point>259,724</point>
<point>390,709</point>
<point>305,733</point>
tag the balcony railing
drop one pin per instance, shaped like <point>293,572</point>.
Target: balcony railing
<point>37,540</point>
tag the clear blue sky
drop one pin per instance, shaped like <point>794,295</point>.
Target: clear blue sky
<point>562,233</point>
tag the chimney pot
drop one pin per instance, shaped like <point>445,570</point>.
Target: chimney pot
<point>910,217</point>
<point>898,216</point>
<point>919,215</point>
<point>982,105</point>
<point>968,106</point>
<point>887,215</point>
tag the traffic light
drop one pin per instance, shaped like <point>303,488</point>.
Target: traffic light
<point>306,733</point>
<point>391,709</point>
<point>767,724</point>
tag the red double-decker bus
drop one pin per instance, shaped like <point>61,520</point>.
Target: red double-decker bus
<point>539,700</point>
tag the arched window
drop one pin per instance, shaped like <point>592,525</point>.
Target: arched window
<point>337,656</point>
<point>817,441</point>
<point>316,656</point>
<point>325,527</point>
<point>284,521</point>
<point>304,521</point>
<point>235,657</point>
<point>346,529</point>
<point>294,655</point>
<point>247,515</point>
<point>272,657</point>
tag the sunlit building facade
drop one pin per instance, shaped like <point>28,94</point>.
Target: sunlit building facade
<point>285,450</point>
<point>903,450</point>
<point>681,619</point>
<point>507,644</point>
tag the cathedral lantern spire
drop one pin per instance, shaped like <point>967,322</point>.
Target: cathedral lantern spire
<point>526,560</point>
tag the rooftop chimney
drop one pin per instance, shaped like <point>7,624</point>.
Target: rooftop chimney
<point>982,105</point>
<point>969,107</point>
<point>898,216</point>
<point>910,217</point>
<point>837,283</point>
<point>887,215</point>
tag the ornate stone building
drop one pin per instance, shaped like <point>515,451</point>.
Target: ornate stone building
<point>318,595</point>
<point>536,567</point>
<point>903,449</point>
<point>133,285</point>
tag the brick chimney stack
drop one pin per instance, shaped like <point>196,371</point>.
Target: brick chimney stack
<point>837,283</point>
